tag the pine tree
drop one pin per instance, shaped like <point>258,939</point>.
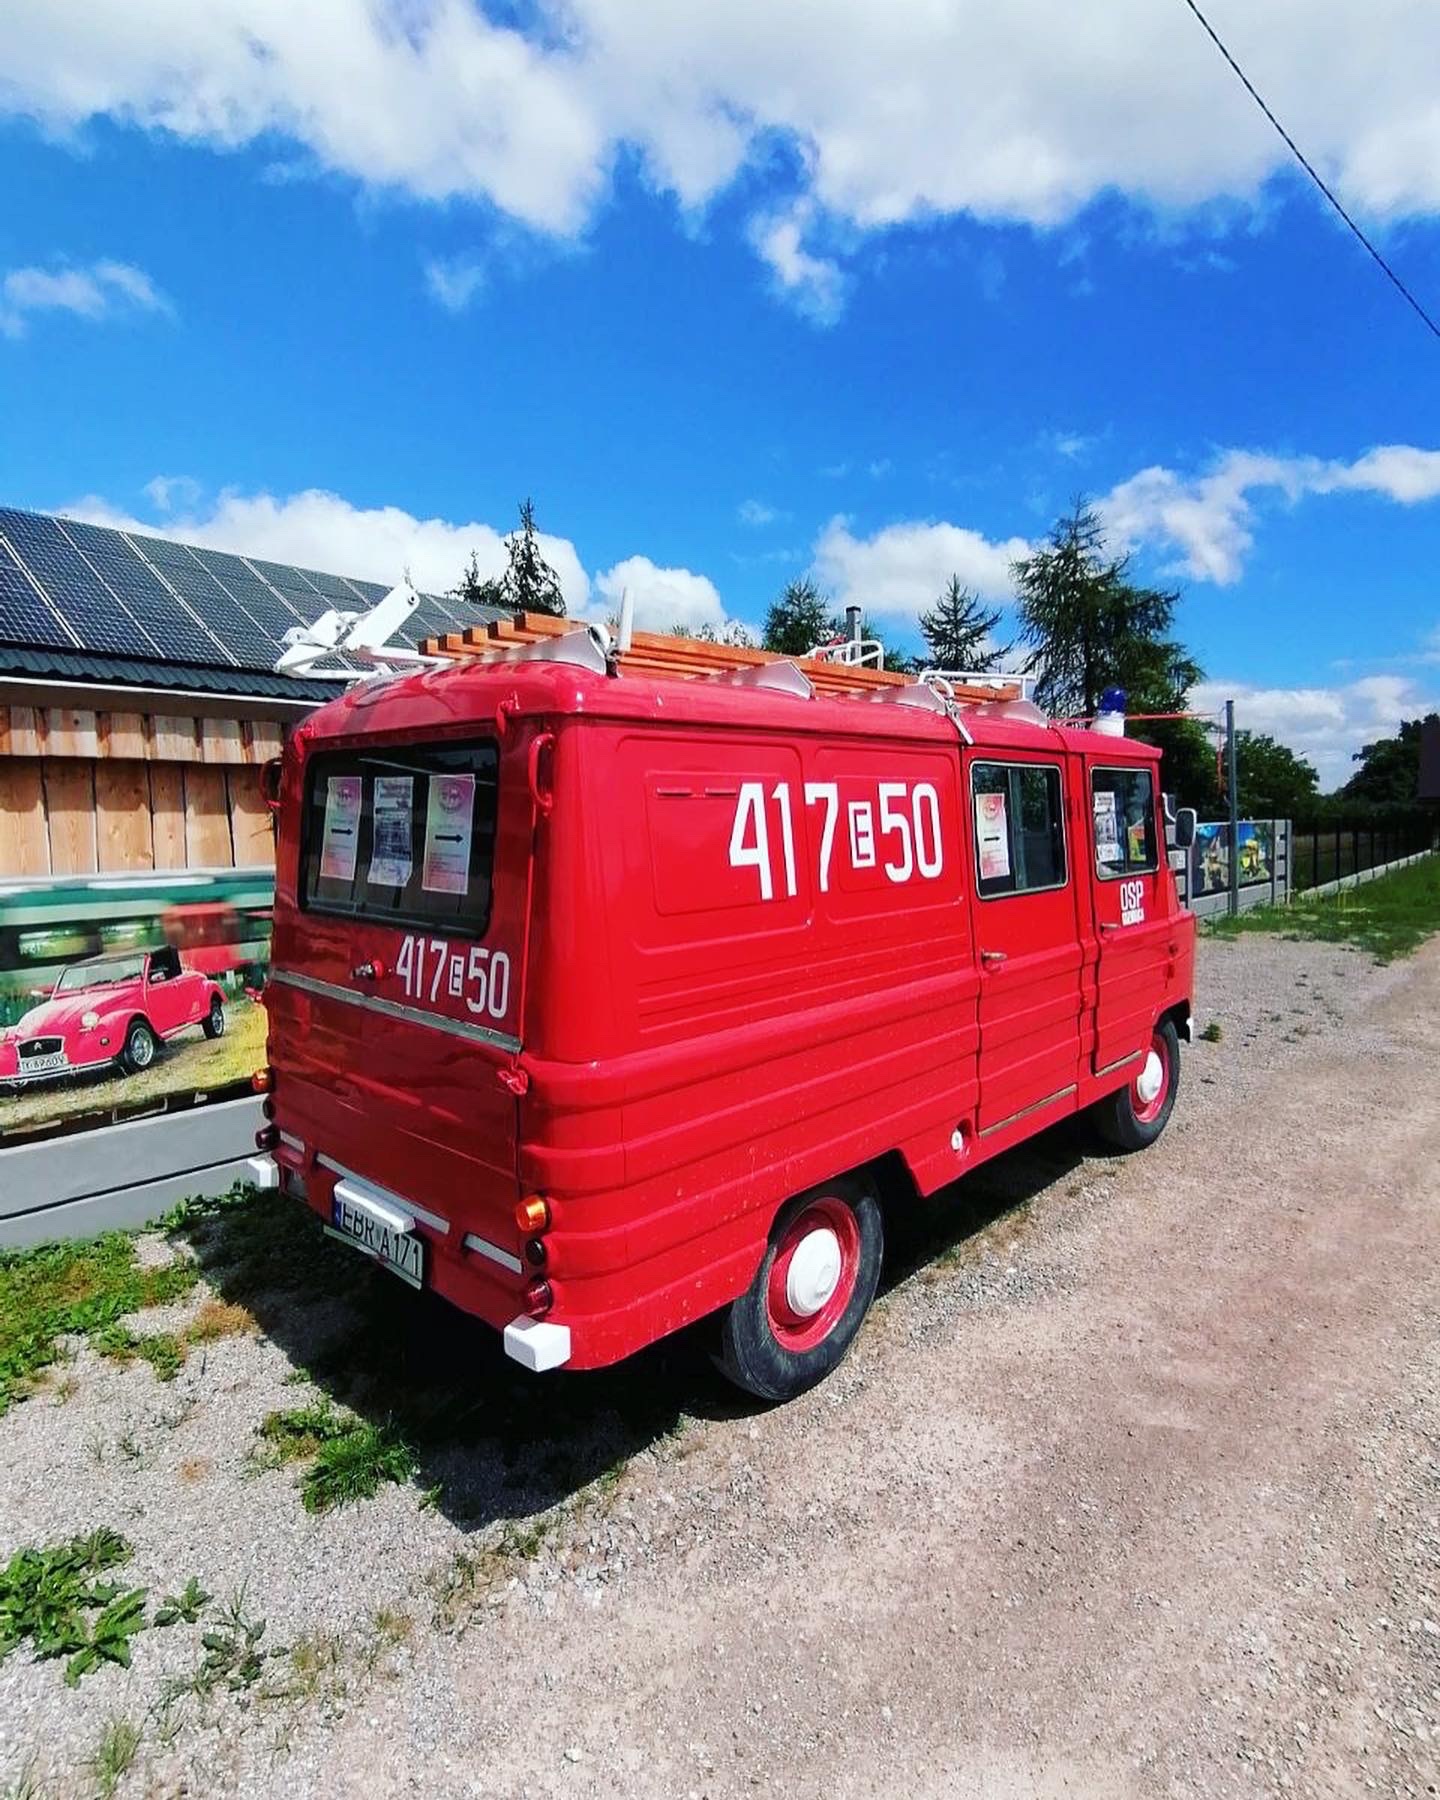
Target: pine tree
<point>959,631</point>
<point>798,620</point>
<point>529,584</point>
<point>1090,628</point>
<point>475,589</point>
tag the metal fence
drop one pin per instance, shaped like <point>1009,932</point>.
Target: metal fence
<point>1325,853</point>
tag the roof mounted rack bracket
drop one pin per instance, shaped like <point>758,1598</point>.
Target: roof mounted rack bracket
<point>776,677</point>
<point>586,647</point>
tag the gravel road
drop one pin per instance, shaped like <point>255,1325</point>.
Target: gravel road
<point>1128,1489</point>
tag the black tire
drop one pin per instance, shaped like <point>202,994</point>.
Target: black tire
<point>1124,1118</point>
<point>141,1044</point>
<point>213,1024</point>
<point>775,1360</point>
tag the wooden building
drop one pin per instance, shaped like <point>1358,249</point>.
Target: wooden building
<point>138,699</point>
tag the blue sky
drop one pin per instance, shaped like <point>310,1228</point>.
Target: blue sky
<point>868,295</point>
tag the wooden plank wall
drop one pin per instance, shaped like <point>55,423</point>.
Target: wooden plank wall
<point>99,793</point>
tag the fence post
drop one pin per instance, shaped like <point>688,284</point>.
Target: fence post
<point>1232,760</point>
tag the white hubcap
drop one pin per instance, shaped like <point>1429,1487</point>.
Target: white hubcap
<point>814,1272</point>
<point>1151,1078</point>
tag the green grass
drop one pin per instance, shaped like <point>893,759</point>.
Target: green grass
<point>53,1598</point>
<point>350,1458</point>
<point>85,1290</point>
<point>1389,917</point>
<point>191,1064</point>
<point>119,1742</point>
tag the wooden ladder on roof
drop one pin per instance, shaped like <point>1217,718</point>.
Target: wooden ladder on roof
<point>655,653</point>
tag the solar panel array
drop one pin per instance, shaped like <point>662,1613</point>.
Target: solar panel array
<point>65,585</point>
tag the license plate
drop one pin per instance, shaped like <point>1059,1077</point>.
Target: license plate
<point>37,1065</point>
<point>401,1252</point>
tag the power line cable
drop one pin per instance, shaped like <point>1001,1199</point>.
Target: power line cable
<point>1312,172</point>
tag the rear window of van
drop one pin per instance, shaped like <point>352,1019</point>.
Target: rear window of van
<point>402,834</point>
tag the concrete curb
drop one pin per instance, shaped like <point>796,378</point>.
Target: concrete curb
<point>120,1176</point>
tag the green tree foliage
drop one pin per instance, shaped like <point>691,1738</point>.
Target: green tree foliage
<point>1090,627</point>
<point>529,584</point>
<point>959,632</point>
<point>1275,783</point>
<point>475,589</point>
<point>1389,772</point>
<point>799,619</point>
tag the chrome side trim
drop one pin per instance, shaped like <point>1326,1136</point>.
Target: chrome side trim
<point>433,1220</point>
<point>495,1253</point>
<point>1025,1111</point>
<point>1121,1061</point>
<point>392,1009</point>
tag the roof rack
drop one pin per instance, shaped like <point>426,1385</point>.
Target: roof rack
<point>537,635</point>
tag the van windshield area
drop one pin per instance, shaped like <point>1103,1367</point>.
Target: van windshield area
<point>402,834</point>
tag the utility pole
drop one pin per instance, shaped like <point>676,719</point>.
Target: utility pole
<point>1232,768</point>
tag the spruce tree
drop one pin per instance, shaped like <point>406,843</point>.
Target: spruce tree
<point>959,632</point>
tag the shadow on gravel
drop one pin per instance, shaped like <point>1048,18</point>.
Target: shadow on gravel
<point>491,1442</point>
<point>938,1229</point>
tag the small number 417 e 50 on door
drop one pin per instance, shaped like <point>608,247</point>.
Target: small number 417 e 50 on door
<point>611,992</point>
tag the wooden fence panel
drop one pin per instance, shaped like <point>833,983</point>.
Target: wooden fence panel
<point>167,813</point>
<point>249,819</point>
<point>24,838</point>
<point>124,835</point>
<point>70,802</point>
<point>208,844</point>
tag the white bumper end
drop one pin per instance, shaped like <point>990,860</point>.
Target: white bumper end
<point>263,1171</point>
<point>536,1344</point>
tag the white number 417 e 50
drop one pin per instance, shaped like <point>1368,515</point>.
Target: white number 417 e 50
<point>905,819</point>
<point>430,967</point>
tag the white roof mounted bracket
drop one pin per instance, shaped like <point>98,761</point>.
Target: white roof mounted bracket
<point>361,635</point>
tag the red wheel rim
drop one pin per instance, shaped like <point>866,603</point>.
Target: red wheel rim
<point>813,1276</point>
<point>1148,1110</point>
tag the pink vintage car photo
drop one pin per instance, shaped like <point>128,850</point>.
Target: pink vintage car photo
<point>110,1010</point>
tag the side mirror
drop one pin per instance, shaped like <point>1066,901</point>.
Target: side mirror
<point>1183,834</point>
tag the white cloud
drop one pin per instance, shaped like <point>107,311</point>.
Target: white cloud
<point>664,598</point>
<point>1206,522</point>
<point>319,530</point>
<point>102,290</point>
<point>454,281</point>
<point>813,285</point>
<point>902,568</point>
<point>1022,112</point>
<point>1326,725</point>
<point>756,512</point>
<point>167,492</point>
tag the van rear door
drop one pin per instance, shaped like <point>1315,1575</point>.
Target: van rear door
<point>395,996</point>
<point>1136,931</point>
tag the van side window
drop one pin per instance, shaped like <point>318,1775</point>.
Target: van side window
<point>402,834</point>
<point>1122,805</point>
<point>1019,828</point>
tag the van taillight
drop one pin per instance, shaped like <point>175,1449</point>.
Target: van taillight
<point>539,1298</point>
<point>267,1137</point>
<point>262,1081</point>
<point>533,1215</point>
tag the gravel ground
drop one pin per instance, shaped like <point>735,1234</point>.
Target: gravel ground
<point>1128,1489</point>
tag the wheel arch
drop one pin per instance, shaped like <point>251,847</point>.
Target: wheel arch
<point>1182,1018</point>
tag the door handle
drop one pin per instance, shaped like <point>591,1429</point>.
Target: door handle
<point>993,956</point>
<point>367,971</point>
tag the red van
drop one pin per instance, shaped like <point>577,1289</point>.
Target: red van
<point>603,1000</point>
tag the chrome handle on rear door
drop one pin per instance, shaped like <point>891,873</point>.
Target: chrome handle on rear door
<point>367,971</point>
<point>993,956</point>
